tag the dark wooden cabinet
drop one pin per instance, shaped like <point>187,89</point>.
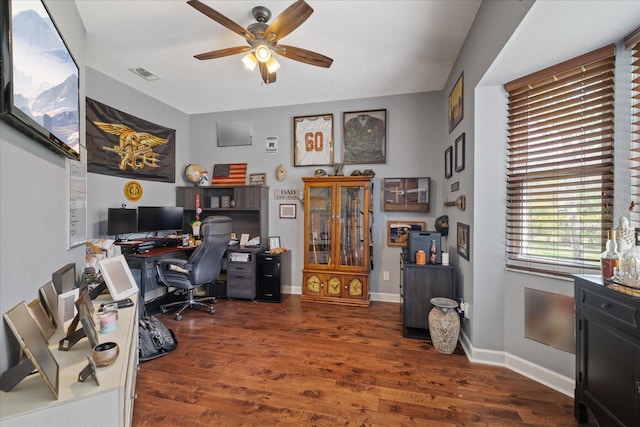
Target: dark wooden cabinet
<point>607,354</point>
<point>246,205</point>
<point>274,271</point>
<point>418,284</point>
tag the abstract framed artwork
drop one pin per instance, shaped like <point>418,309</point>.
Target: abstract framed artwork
<point>456,101</point>
<point>365,137</point>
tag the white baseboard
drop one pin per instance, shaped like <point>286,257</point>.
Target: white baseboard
<point>540,374</point>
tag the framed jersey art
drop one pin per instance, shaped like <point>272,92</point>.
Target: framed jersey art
<point>313,139</point>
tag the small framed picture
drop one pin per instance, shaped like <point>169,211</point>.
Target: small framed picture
<point>463,246</point>
<point>258,179</point>
<point>460,153</point>
<point>288,211</point>
<point>274,242</point>
<point>398,231</point>
<point>448,162</point>
<point>313,140</point>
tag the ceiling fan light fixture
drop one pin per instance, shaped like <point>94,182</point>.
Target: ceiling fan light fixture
<point>250,61</point>
<point>263,53</point>
<point>272,65</point>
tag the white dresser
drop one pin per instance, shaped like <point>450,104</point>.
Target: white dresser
<point>30,403</point>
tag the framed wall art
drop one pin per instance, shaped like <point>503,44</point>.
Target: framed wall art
<point>288,211</point>
<point>406,194</point>
<point>459,151</point>
<point>455,111</point>
<point>398,231</point>
<point>365,137</point>
<point>313,140</point>
<point>258,178</point>
<point>448,162</point>
<point>463,243</point>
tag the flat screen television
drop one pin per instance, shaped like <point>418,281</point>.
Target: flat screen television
<point>39,83</point>
<point>64,279</point>
<point>121,221</point>
<point>159,218</point>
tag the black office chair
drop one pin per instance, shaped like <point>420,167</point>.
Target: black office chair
<point>202,267</point>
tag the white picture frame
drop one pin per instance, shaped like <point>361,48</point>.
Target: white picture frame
<point>288,211</point>
<point>118,277</point>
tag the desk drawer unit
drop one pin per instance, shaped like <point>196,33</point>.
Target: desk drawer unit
<point>241,275</point>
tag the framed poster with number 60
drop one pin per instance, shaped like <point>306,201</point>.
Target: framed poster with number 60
<point>313,139</point>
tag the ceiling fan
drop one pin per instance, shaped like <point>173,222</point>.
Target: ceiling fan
<point>263,38</point>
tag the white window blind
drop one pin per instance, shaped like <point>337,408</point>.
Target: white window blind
<point>633,42</point>
<point>560,165</point>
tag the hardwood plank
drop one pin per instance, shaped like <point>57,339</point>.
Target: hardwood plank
<point>299,363</point>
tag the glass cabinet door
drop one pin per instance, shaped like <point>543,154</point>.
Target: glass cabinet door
<point>352,226</point>
<point>320,238</point>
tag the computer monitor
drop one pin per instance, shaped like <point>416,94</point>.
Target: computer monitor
<point>64,279</point>
<point>159,218</point>
<point>121,221</point>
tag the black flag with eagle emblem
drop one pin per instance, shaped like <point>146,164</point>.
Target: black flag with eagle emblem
<point>123,145</point>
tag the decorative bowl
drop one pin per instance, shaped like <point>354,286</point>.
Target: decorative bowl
<point>106,353</point>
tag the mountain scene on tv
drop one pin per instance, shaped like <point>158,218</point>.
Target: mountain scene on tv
<point>45,77</point>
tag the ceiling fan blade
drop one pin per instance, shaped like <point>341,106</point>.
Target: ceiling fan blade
<point>267,77</point>
<point>221,19</point>
<point>290,19</point>
<point>222,52</point>
<point>303,55</point>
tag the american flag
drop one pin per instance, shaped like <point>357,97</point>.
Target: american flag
<point>229,174</point>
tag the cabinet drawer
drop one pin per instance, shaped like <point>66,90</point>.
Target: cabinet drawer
<point>233,267</point>
<point>617,311</point>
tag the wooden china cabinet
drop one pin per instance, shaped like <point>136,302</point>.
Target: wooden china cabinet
<point>338,215</point>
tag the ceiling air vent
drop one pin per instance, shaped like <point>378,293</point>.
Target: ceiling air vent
<point>144,73</point>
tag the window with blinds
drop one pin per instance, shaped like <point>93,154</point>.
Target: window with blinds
<point>560,165</point>
<point>633,41</point>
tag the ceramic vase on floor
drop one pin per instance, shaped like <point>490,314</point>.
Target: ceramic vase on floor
<point>444,324</point>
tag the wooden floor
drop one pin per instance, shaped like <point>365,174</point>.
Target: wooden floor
<point>309,364</point>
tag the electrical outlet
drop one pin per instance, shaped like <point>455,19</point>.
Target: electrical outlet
<point>467,310</point>
<point>385,275</point>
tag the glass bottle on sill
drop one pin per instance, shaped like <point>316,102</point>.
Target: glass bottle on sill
<point>610,258</point>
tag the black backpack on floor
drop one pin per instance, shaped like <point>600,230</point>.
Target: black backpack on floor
<point>155,339</point>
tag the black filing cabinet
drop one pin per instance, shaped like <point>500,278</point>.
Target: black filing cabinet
<point>274,271</point>
<point>418,284</point>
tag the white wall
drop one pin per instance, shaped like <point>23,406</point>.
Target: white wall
<point>33,211</point>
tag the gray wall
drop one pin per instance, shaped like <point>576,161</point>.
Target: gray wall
<point>414,127</point>
<point>33,208</point>
<point>549,33</point>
